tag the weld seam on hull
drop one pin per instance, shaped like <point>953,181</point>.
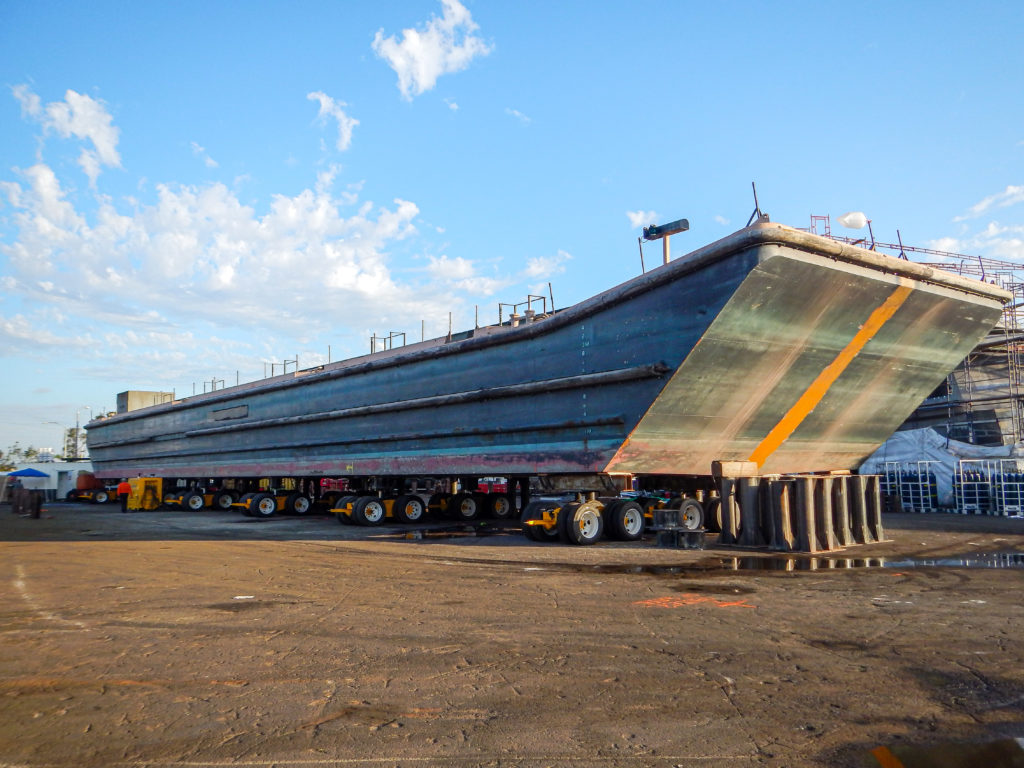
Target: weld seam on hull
<point>475,432</point>
<point>433,401</point>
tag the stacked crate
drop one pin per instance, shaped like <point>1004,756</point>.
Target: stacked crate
<point>914,484</point>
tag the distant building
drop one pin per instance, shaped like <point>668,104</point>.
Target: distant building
<point>134,399</point>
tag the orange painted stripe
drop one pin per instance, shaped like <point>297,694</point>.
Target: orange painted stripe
<point>819,387</point>
<point>885,758</point>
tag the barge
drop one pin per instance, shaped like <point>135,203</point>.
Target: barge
<point>780,349</point>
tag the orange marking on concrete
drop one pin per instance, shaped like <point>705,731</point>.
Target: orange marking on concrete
<point>819,387</point>
<point>690,598</point>
<point>885,758</point>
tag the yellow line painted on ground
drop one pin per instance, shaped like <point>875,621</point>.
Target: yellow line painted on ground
<point>819,387</point>
<point>885,758</point>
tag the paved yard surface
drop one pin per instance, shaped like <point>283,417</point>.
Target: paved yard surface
<point>210,639</point>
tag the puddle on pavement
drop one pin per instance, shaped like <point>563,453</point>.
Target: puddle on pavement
<point>804,563</point>
<point>791,562</point>
<point>783,563</point>
<point>450,532</point>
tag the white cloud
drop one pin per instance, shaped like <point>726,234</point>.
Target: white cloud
<point>200,151</point>
<point>441,46</point>
<point>722,220</point>
<point>460,274</point>
<point>331,108</point>
<point>518,115</point>
<point>19,330</point>
<point>79,116</point>
<point>452,105</point>
<point>641,218</point>
<point>228,265</point>
<point>949,244</point>
<point>444,268</point>
<point>546,266</point>
<point>182,275</point>
<point>31,106</point>
<point>995,241</point>
<point>1009,196</point>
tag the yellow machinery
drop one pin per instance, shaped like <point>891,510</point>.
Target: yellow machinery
<point>146,493</point>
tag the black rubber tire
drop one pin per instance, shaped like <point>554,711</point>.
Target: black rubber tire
<point>247,511</point>
<point>297,504</point>
<point>409,508</point>
<point>482,503</point>
<point>583,524</point>
<point>340,503</point>
<point>100,497</point>
<point>223,500</point>
<point>621,520</point>
<point>263,505</point>
<point>538,533</point>
<point>610,507</point>
<point>437,505</point>
<point>713,515</point>
<point>369,510</point>
<point>193,501</point>
<point>71,495</point>
<point>500,506</point>
<point>464,507</point>
<point>691,515</point>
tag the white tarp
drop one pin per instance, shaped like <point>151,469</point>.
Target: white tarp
<point>913,445</point>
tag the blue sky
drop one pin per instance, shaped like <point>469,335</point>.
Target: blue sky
<point>190,191</point>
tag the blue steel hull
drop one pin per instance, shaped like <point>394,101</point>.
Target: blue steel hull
<point>761,346</point>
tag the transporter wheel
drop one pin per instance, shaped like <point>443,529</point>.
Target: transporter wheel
<point>297,504</point>
<point>499,506</point>
<point>464,507</point>
<point>247,510</point>
<point>581,522</point>
<point>71,495</point>
<point>691,514</point>
<point>713,515</point>
<point>100,497</point>
<point>263,505</point>
<point>223,500</point>
<point>611,507</point>
<point>483,503</point>
<point>409,509</point>
<point>369,510</point>
<point>534,511</point>
<point>341,503</point>
<point>193,501</point>
<point>624,520</point>
<point>437,505</point>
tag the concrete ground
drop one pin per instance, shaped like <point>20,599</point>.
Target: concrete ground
<point>212,639</point>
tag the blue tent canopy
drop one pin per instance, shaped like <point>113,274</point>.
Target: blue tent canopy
<point>29,472</point>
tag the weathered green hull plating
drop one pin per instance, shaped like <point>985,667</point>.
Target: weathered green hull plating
<point>771,345</point>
